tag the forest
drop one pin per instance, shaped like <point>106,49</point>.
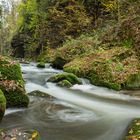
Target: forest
<point>85,53</point>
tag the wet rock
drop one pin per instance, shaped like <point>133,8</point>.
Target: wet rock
<point>41,65</point>
<point>65,79</point>
<point>40,94</point>
<point>12,83</point>
<point>65,83</point>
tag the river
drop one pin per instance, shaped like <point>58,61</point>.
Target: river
<point>83,112</point>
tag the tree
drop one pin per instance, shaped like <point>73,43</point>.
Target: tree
<point>8,18</point>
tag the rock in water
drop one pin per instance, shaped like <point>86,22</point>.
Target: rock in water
<point>38,93</point>
<point>41,65</point>
<point>12,83</point>
<point>65,79</point>
<point>65,83</point>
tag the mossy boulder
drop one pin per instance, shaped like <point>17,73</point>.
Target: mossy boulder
<point>133,130</point>
<point>41,65</point>
<point>116,68</point>
<point>65,83</point>
<point>65,79</point>
<point>2,105</point>
<point>12,83</point>
<point>15,97</point>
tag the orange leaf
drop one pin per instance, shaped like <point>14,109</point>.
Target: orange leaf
<point>131,131</point>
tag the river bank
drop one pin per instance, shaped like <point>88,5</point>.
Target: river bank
<point>81,112</point>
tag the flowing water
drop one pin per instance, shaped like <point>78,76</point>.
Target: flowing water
<point>84,112</point>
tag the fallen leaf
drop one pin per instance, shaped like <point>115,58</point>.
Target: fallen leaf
<point>131,131</point>
<point>34,134</point>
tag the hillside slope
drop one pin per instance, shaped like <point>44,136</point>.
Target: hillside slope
<point>99,40</point>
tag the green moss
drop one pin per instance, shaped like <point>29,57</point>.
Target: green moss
<point>115,68</point>
<point>41,58</point>
<point>128,43</point>
<point>74,70</point>
<point>2,105</point>
<point>73,79</point>
<point>11,72</point>
<point>96,80</point>
<point>65,83</point>
<point>41,65</point>
<point>16,97</point>
<point>77,47</point>
<point>133,81</point>
<point>12,83</point>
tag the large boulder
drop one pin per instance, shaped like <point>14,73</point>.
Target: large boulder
<point>12,83</point>
<point>117,68</point>
<point>41,65</point>
<point>2,105</point>
<point>65,79</point>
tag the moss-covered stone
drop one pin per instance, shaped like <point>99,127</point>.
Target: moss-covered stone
<point>65,79</point>
<point>133,131</point>
<point>16,98</point>
<point>12,83</point>
<point>10,70</point>
<point>96,80</point>
<point>65,83</point>
<point>2,105</point>
<point>41,65</point>
<point>112,68</point>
